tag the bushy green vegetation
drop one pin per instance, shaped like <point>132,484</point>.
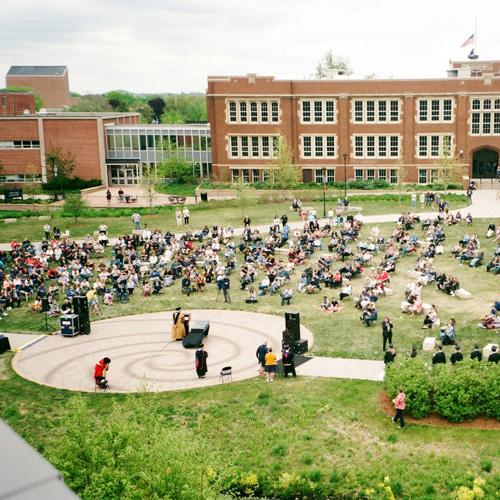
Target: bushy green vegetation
<point>456,392</point>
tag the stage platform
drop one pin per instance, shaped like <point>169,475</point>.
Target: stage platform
<point>143,358</point>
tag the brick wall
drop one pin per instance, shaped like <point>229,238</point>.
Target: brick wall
<point>12,104</point>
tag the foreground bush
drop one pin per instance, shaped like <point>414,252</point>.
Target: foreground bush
<point>461,392</point>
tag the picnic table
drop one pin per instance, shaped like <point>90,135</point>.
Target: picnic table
<point>177,200</point>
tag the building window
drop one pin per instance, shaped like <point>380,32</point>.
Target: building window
<point>234,146</point>
<point>245,146</point>
<point>255,147</point>
<point>319,146</point>
<point>232,112</point>
<point>358,174</point>
<point>375,110</point>
<point>254,116</point>
<point>21,144</point>
<point>322,111</point>
<point>243,111</point>
<point>394,176</point>
<point>255,175</point>
<point>382,174</point>
<point>254,111</point>
<point>265,147</point>
<point>265,175</point>
<point>370,174</point>
<point>370,146</point>
<point>235,175</point>
<point>435,110</point>
<point>275,114</point>
<point>434,146</point>
<point>245,175</point>
<point>264,112</point>
<point>422,176</point>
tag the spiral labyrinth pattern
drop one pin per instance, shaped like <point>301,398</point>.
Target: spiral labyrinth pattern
<point>143,356</point>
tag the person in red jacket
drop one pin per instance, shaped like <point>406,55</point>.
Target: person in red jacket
<point>399,404</point>
<point>100,372</point>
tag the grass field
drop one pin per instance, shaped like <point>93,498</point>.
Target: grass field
<point>325,436</point>
<point>214,212</point>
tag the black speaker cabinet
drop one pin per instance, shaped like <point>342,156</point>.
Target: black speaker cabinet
<point>69,325</point>
<point>193,340</point>
<point>292,322</point>
<point>4,344</point>
<point>287,339</point>
<point>301,346</point>
<point>45,304</point>
<point>81,308</point>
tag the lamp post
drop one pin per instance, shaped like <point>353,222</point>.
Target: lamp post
<point>323,171</point>
<point>345,175</point>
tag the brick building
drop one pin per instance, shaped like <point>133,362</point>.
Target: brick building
<point>16,103</point>
<point>357,129</point>
<point>51,83</point>
<point>25,140</point>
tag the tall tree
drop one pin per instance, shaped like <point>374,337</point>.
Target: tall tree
<point>286,173</point>
<point>330,63</point>
<point>158,106</point>
<point>450,168</point>
<point>74,205</point>
<point>60,166</point>
<point>120,100</point>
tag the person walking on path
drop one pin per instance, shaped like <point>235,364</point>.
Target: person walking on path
<point>200,361</point>
<point>387,327</point>
<point>185,214</point>
<point>261,357</point>
<point>271,364</point>
<point>178,217</point>
<point>108,196</point>
<point>399,405</point>
<point>136,219</point>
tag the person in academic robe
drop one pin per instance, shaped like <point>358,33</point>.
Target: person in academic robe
<point>389,355</point>
<point>476,353</point>
<point>200,361</point>
<point>439,356</point>
<point>178,328</point>
<point>456,356</point>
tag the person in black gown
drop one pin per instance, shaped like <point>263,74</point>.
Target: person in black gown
<point>200,358</point>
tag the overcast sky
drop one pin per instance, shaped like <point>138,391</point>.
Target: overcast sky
<point>171,46</point>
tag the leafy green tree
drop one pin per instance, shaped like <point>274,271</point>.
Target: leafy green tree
<point>120,100</point>
<point>60,166</point>
<point>330,63</point>
<point>158,106</point>
<point>403,171</point>
<point>176,168</point>
<point>286,172</point>
<point>450,168</point>
<point>91,103</point>
<point>75,205</point>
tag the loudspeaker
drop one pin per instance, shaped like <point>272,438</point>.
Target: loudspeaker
<point>45,305</point>
<point>193,340</point>
<point>4,344</point>
<point>81,308</point>
<point>287,339</point>
<point>301,346</point>
<point>292,322</point>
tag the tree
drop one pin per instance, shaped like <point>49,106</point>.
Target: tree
<point>91,103</point>
<point>120,100</point>
<point>60,166</point>
<point>158,106</point>
<point>403,171</point>
<point>31,187</point>
<point>330,63</point>
<point>450,169</point>
<point>149,179</point>
<point>286,173</point>
<point>176,168</point>
<point>74,205</point>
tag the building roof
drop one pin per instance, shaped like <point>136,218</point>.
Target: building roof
<point>25,474</point>
<point>37,70</point>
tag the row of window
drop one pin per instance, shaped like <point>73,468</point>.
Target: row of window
<point>318,146</point>
<point>376,146</point>
<point>435,110</point>
<point>317,111</point>
<point>143,142</point>
<point>371,174</point>
<point>254,146</point>
<point>20,178</point>
<point>19,144</point>
<point>430,146</point>
<point>376,111</point>
<point>250,111</point>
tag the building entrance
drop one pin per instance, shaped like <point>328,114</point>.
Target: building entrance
<point>124,174</point>
<point>484,164</point>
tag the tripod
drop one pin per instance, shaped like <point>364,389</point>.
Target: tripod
<point>225,291</point>
<point>46,326</point>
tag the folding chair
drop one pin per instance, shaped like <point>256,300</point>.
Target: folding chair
<point>226,372</point>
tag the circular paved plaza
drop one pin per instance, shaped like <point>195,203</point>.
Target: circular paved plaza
<point>143,356</point>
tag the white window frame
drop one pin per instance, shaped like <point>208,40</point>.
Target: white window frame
<point>479,109</point>
<point>362,112</point>
<point>431,140</point>
<point>377,147</point>
<point>323,139</point>
<point>268,111</point>
<point>243,146</point>
<point>429,112</point>
<point>318,174</point>
<point>325,116</point>
<point>361,173</point>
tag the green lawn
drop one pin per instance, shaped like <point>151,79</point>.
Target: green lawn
<point>331,431</point>
<point>214,212</point>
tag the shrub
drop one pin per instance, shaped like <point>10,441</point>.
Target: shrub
<point>414,377</point>
<point>69,184</point>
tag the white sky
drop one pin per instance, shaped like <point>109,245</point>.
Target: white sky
<point>171,46</point>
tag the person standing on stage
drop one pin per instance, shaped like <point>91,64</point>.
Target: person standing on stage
<point>200,361</point>
<point>178,328</point>
<point>288,361</point>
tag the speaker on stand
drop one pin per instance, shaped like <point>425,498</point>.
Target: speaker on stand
<point>45,309</point>
<point>292,322</point>
<point>81,308</point>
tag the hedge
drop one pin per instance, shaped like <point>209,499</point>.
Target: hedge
<point>455,392</point>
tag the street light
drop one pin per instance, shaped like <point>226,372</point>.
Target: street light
<point>345,175</point>
<point>323,170</point>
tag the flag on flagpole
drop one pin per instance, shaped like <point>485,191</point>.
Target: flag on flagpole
<point>468,41</point>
